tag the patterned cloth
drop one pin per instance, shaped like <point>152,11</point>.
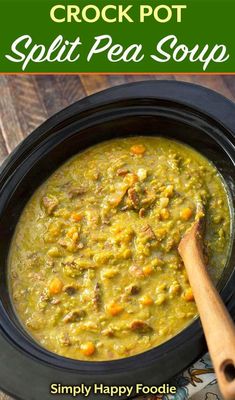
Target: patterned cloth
<point>196,383</point>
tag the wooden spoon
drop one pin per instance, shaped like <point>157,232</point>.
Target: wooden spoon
<point>218,326</point>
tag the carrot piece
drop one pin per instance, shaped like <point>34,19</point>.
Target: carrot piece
<point>188,295</point>
<point>148,270</point>
<point>88,348</point>
<point>76,217</point>
<point>114,309</point>
<point>146,300</point>
<point>186,213</point>
<point>138,149</point>
<point>55,286</point>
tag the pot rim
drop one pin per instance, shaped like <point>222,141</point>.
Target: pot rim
<point>86,105</point>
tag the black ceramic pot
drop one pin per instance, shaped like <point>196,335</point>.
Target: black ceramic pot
<point>192,114</point>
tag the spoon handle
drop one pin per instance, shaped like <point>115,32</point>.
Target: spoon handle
<point>218,326</point>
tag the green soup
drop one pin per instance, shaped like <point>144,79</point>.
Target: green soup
<point>94,270</point>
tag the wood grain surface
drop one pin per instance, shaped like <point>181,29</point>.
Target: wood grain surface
<point>28,100</point>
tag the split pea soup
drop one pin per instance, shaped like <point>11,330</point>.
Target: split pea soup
<point>94,271</point>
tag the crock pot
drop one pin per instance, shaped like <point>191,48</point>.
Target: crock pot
<point>192,114</point>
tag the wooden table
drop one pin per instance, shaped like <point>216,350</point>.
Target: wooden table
<point>28,100</point>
